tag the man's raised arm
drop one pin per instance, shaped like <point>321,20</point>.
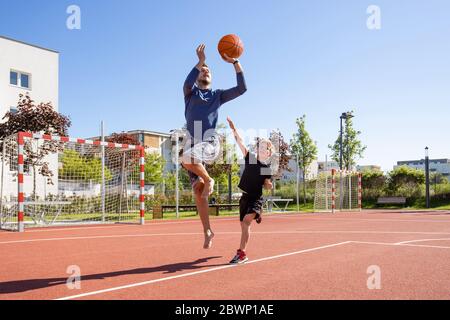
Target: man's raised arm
<point>241,87</point>
<point>193,75</point>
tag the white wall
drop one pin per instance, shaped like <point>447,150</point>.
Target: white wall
<point>43,66</point>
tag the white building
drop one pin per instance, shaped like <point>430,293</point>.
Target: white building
<point>292,175</point>
<point>155,142</point>
<point>436,165</point>
<point>26,68</point>
<point>324,166</point>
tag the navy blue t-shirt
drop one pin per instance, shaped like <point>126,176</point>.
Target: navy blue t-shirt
<point>202,106</point>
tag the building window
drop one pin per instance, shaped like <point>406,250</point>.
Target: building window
<point>13,78</point>
<point>20,79</point>
<point>25,81</point>
<point>13,110</point>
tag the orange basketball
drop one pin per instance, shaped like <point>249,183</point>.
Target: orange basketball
<point>232,45</point>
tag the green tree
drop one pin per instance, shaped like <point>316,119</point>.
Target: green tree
<point>32,117</point>
<point>304,149</point>
<point>438,181</point>
<point>154,168</point>
<point>170,180</point>
<point>281,157</point>
<point>76,167</point>
<point>352,147</point>
<point>374,182</point>
<point>406,181</point>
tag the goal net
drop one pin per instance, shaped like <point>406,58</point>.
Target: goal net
<point>338,190</point>
<point>50,180</point>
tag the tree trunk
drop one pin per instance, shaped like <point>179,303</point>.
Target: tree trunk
<point>34,183</point>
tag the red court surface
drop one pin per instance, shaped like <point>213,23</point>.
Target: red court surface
<point>292,256</point>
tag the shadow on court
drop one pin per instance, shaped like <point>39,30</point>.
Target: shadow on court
<point>34,284</point>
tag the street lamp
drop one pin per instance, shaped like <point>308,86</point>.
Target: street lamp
<point>344,116</point>
<point>427,179</point>
<point>175,141</point>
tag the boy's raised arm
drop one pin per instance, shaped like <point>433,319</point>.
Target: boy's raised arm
<point>237,137</point>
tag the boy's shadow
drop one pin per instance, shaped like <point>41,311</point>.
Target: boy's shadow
<point>34,284</point>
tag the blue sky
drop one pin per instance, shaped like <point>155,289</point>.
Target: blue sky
<point>127,64</point>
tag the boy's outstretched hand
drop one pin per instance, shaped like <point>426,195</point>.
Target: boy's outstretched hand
<point>231,123</point>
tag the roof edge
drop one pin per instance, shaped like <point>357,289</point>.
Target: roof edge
<point>28,44</point>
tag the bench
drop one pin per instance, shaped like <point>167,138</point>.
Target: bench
<point>391,200</point>
<point>272,202</point>
<point>158,211</point>
<point>214,209</point>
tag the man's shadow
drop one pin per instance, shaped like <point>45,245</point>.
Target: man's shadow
<point>34,284</point>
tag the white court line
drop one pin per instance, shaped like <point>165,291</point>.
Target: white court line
<point>422,240</point>
<point>399,245</point>
<point>362,219</point>
<point>167,222</point>
<point>105,237</point>
<point>121,226</point>
<point>197,272</point>
<point>309,216</point>
<point>221,233</point>
<point>112,226</point>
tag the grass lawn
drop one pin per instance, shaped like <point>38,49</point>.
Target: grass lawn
<point>168,215</point>
<point>171,215</point>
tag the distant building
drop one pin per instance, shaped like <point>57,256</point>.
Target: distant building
<point>292,175</point>
<point>441,166</point>
<point>368,168</point>
<point>155,142</point>
<point>323,166</point>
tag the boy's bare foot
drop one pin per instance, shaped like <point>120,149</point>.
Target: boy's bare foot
<point>209,188</point>
<point>208,240</point>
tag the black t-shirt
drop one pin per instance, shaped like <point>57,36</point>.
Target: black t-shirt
<point>254,175</point>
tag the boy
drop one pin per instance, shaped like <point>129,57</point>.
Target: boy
<point>256,175</point>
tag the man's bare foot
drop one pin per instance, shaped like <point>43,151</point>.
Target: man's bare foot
<point>208,240</point>
<point>209,188</point>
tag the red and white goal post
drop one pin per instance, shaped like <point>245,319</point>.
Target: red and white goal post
<point>52,181</point>
<point>338,190</point>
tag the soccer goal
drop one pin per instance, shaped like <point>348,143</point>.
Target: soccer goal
<point>338,190</point>
<point>53,181</point>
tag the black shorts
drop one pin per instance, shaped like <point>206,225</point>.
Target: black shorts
<point>249,205</point>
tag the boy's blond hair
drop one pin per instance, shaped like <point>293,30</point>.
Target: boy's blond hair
<point>268,143</point>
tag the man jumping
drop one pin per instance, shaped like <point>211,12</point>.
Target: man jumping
<point>202,144</point>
